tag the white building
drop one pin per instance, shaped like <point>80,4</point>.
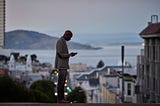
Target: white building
<point>79,67</point>
<point>77,70</point>
<point>87,80</point>
<point>104,85</point>
<point>19,66</point>
<point>24,71</point>
<point>111,87</point>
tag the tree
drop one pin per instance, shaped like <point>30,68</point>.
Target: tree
<point>100,64</point>
<point>38,96</point>
<point>22,59</point>
<point>45,86</point>
<point>11,91</point>
<point>34,57</point>
<point>77,95</point>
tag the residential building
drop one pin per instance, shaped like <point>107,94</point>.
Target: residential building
<point>149,77</point>
<point>79,67</point>
<point>26,70</point>
<point>3,52</point>
<point>129,89</point>
<point>91,88</point>
<point>140,77</point>
<point>104,85</point>
<point>111,87</point>
<point>3,65</point>
<point>77,70</point>
<point>2,23</point>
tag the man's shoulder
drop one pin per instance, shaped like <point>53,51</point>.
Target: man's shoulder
<point>61,39</point>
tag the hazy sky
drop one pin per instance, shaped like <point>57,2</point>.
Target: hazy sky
<point>80,16</point>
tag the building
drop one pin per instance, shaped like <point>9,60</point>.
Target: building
<point>2,23</point>
<point>91,88</point>
<point>26,70</point>
<point>104,85</point>
<point>3,66</point>
<point>111,87</point>
<point>140,76</point>
<point>79,67</point>
<point>88,80</point>
<point>75,71</point>
<point>150,76</point>
<point>3,52</point>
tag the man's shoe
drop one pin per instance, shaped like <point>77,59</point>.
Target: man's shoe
<point>63,101</point>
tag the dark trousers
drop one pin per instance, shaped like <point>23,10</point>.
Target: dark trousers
<point>61,81</point>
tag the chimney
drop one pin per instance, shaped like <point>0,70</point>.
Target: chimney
<point>154,19</point>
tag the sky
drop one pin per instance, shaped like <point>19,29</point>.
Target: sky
<point>80,16</point>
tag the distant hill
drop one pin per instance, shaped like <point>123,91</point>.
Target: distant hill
<point>110,39</point>
<point>23,39</point>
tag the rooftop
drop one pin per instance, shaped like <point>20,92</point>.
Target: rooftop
<point>152,30</point>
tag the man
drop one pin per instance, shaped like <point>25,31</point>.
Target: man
<point>62,63</point>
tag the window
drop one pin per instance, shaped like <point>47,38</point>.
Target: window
<point>129,89</point>
<point>154,53</point>
<point>158,54</point>
<point>147,81</point>
<point>154,84</point>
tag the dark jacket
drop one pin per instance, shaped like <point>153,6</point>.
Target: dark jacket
<point>62,55</point>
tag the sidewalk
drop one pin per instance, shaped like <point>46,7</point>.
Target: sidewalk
<point>74,104</point>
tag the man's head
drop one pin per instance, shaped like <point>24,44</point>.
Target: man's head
<point>67,35</point>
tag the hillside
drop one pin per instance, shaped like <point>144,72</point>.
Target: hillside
<point>23,39</point>
<point>110,39</point>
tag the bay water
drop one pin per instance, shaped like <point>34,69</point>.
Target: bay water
<point>110,55</point>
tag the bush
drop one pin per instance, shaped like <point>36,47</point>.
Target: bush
<point>38,96</point>
<point>77,95</point>
<point>100,64</point>
<point>11,91</point>
<point>45,86</point>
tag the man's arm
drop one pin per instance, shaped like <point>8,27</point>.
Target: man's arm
<point>60,51</point>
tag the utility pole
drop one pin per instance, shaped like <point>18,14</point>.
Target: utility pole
<point>122,59</point>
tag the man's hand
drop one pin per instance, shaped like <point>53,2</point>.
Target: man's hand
<point>73,54</point>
